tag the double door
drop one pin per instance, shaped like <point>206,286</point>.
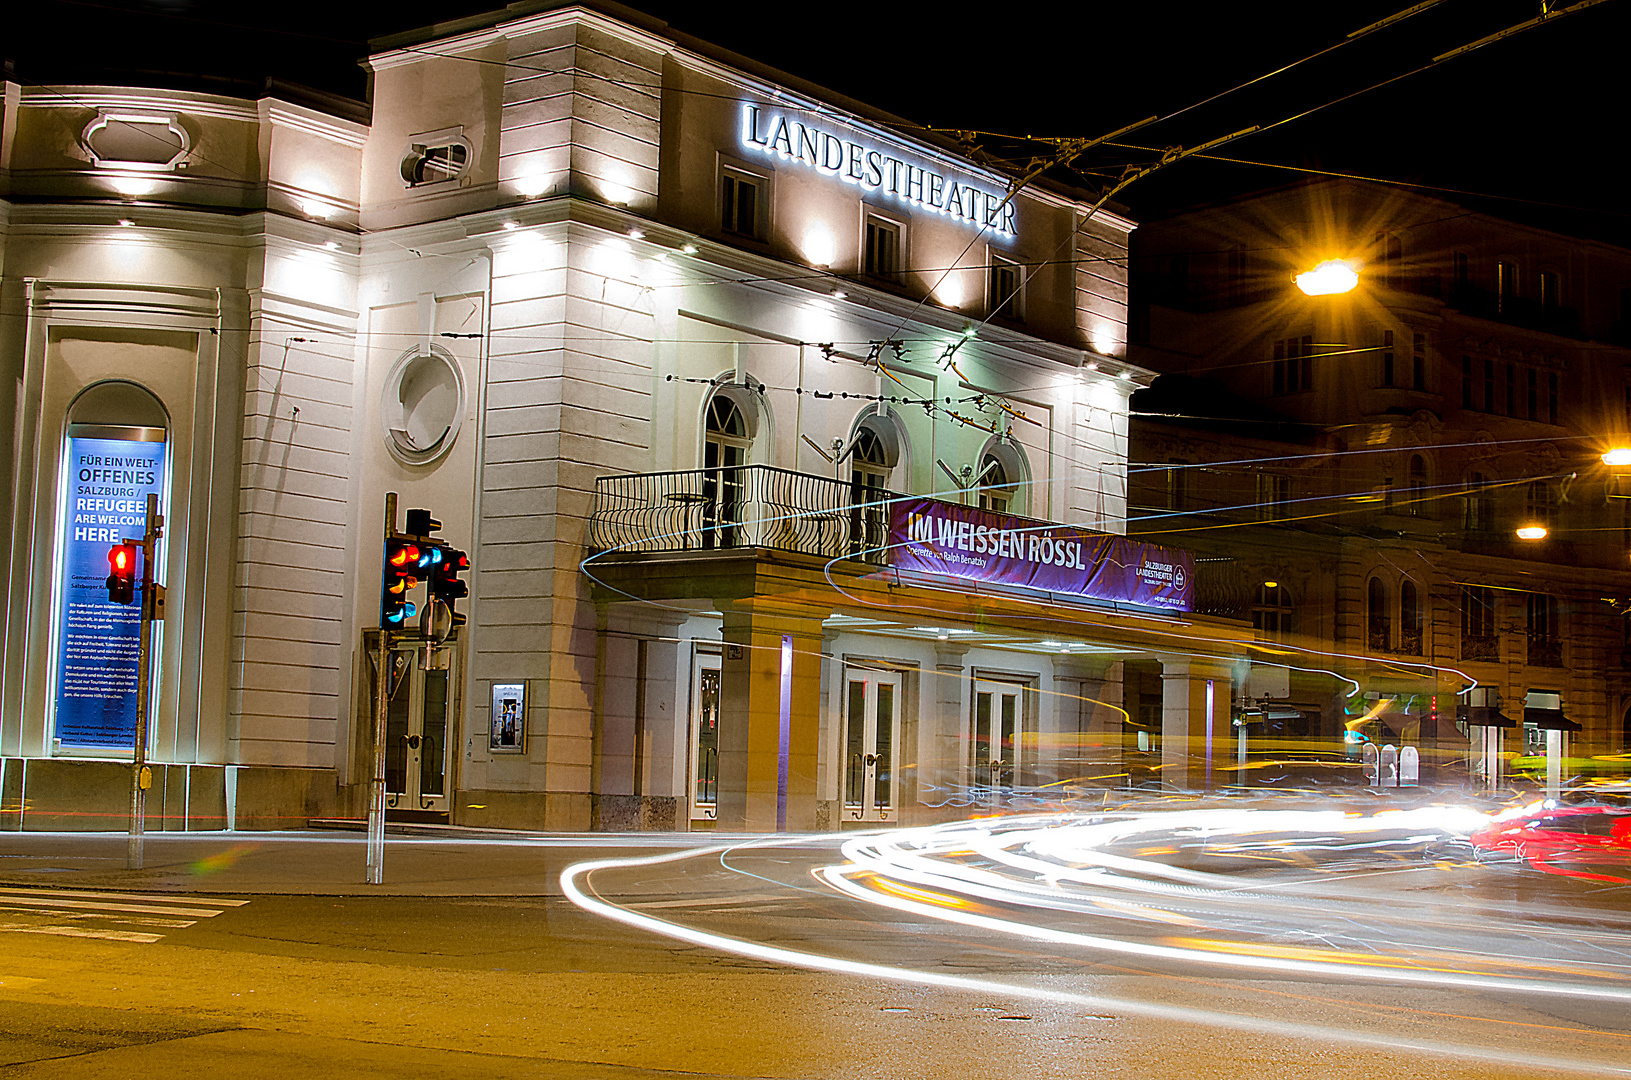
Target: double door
<point>871,736</point>
<point>704,781</point>
<point>417,735</point>
<point>998,741</point>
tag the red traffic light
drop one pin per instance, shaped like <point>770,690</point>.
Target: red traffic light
<point>121,582</point>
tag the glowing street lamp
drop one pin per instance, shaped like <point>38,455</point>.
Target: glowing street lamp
<point>1532,532</point>
<point>1620,455</point>
<point>1329,278</point>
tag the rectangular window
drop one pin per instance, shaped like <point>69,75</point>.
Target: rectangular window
<point>1545,642</point>
<point>1463,272</point>
<point>882,254</point>
<point>1478,639</point>
<point>1489,386</point>
<point>1548,291</point>
<point>1006,289</point>
<point>1294,364</point>
<point>1534,394</point>
<point>1512,390</point>
<point>1480,515</point>
<point>742,204</point>
<point>1506,287</point>
<point>1551,397</point>
<point>1390,499</point>
<point>1466,382</point>
<point>1178,485</point>
<point>1387,357</point>
<point>1418,362</point>
<point>1273,496</point>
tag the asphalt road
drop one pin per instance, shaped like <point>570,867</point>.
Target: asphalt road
<point>263,955</point>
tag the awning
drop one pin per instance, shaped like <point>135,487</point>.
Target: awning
<point>1549,720</point>
<point>1483,716</point>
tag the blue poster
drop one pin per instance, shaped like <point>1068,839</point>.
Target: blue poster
<point>97,641</point>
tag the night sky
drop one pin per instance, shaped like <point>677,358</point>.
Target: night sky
<point>1529,127</point>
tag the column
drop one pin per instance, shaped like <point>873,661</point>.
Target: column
<point>1195,721</point>
<point>942,764</point>
<point>769,719</point>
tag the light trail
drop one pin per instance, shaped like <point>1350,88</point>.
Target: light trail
<point>583,896</point>
<point>1016,877</point>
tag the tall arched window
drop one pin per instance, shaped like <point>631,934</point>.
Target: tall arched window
<point>1001,477</point>
<point>872,461</point>
<point>1410,619</point>
<point>1418,485</point>
<point>727,438</point>
<point>1378,624</point>
<point>114,456</point>
<point>996,492</point>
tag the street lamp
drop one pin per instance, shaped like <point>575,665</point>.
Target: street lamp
<point>1532,532</point>
<point>1330,277</point>
<point>1620,455</point>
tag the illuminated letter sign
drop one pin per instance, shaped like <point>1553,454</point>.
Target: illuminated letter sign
<point>875,170</point>
<point>106,502</point>
<point>960,541</point>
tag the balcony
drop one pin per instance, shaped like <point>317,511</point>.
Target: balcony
<point>1545,652</point>
<point>744,506</point>
<point>1480,647</point>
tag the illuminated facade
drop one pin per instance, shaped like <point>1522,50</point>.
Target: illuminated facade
<point>582,288</point>
<point>1376,453</point>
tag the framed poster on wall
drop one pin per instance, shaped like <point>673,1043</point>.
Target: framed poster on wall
<point>507,727</point>
<point>109,472</point>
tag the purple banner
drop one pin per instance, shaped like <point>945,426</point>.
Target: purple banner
<point>946,538</point>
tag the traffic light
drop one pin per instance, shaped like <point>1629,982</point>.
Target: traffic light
<point>122,580</point>
<point>447,586</point>
<point>404,562</point>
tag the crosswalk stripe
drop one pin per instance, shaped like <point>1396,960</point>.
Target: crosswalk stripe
<point>146,898</point>
<point>74,931</point>
<point>89,905</point>
<point>134,920</point>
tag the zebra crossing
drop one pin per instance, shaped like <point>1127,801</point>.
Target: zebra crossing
<point>106,916</point>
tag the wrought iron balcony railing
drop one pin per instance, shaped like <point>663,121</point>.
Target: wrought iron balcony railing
<point>740,506</point>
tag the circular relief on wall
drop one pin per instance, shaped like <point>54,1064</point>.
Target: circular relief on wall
<point>422,405</point>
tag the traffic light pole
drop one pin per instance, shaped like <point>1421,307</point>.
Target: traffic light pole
<point>382,699</point>
<point>151,604</point>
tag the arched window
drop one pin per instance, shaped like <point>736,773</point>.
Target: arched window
<point>1410,619</point>
<point>1378,624</point>
<point>873,458</point>
<point>1272,612</point>
<point>117,432</point>
<point>727,438</point>
<point>1001,476</point>
<point>1418,485</point>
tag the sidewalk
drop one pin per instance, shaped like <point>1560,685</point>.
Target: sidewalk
<point>446,862</point>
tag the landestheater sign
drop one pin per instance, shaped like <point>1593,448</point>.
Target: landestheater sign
<point>876,170</point>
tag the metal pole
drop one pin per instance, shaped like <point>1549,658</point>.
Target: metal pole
<point>382,698</point>
<point>139,776</point>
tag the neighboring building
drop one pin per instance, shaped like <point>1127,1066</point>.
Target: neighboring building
<point>1375,453</point>
<point>576,284</point>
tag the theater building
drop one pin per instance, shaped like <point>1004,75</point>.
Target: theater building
<point>790,452</point>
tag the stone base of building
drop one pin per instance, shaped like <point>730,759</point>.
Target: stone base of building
<point>54,795</point>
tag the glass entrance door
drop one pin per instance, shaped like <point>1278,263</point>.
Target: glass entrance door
<point>417,736</point>
<point>871,721</point>
<point>705,737</point>
<point>997,727</point>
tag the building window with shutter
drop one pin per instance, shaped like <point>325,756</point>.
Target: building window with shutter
<point>744,204</point>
